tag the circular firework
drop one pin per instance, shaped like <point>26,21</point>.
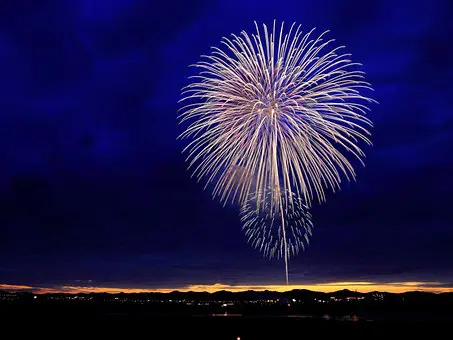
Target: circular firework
<point>281,234</point>
<point>284,107</point>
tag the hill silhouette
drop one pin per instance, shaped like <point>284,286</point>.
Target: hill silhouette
<point>248,295</point>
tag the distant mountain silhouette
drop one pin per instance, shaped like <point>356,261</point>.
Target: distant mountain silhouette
<point>223,295</point>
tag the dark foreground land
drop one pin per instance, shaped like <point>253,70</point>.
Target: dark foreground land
<point>298,315</point>
<point>134,326</point>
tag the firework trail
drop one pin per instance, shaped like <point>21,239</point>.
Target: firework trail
<point>281,235</point>
<point>284,107</point>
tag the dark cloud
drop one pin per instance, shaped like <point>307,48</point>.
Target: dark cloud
<point>93,185</point>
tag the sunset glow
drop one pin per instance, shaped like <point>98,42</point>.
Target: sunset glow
<point>360,286</point>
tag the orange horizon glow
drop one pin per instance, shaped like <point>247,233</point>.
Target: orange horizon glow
<point>360,286</point>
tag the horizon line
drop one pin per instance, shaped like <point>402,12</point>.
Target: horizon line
<point>329,287</point>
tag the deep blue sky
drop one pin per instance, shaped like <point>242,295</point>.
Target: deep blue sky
<point>93,185</point>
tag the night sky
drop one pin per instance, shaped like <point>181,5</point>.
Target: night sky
<point>94,188</point>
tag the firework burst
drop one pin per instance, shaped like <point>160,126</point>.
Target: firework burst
<point>284,108</point>
<point>281,234</point>
<point>274,118</point>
